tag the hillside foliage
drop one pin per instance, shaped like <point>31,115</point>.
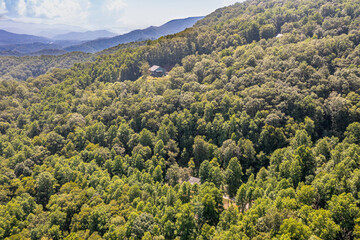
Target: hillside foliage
<point>262,104</point>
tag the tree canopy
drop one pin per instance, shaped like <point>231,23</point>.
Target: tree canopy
<point>261,105</point>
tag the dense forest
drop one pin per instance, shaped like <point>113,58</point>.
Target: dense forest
<point>23,68</point>
<point>262,104</point>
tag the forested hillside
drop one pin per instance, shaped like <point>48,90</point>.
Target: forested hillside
<point>23,68</point>
<point>262,104</point>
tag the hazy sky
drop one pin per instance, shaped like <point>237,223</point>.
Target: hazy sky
<point>116,15</point>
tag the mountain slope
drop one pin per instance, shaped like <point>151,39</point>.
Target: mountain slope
<point>150,33</point>
<point>84,36</point>
<point>30,47</point>
<point>7,38</point>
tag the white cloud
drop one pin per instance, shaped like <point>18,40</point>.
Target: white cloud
<point>2,8</point>
<point>62,11</point>
<point>74,12</point>
<point>115,5</point>
<point>22,7</point>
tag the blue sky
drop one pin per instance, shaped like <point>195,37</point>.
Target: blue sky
<point>116,15</point>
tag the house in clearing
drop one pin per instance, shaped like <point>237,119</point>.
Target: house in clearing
<point>157,71</point>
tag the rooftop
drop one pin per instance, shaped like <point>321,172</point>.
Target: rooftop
<point>154,68</point>
<point>194,180</point>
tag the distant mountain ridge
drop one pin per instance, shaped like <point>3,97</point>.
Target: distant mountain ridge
<point>7,38</point>
<point>149,33</point>
<point>12,44</point>
<point>84,36</point>
<point>31,49</point>
<point>38,29</point>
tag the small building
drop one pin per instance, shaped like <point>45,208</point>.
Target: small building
<point>194,180</point>
<point>157,71</point>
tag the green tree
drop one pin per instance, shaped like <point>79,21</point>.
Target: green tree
<point>267,31</point>
<point>134,192</point>
<point>233,176</point>
<point>145,69</point>
<point>352,133</point>
<point>293,229</point>
<point>159,149</point>
<point>241,199</point>
<point>99,220</point>
<point>204,171</point>
<point>210,212</point>
<point>185,222</point>
<point>301,138</point>
<point>216,176</point>
<point>146,138</point>
<point>200,150</point>
<point>169,230</point>
<point>142,224</point>
<point>252,32</point>
<point>344,211</point>
<point>54,142</point>
<point>305,157</point>
<point>306,195</point>
<point>271,138</point>
<point>158,174</point>
<point>185,192</point>
<point>45,186</point>
<point>173,174</point>
<point>207,232</point>
<point>228,218</point>
<point>322,224</point>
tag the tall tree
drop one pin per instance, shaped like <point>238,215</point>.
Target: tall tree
<point>233,176</point>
